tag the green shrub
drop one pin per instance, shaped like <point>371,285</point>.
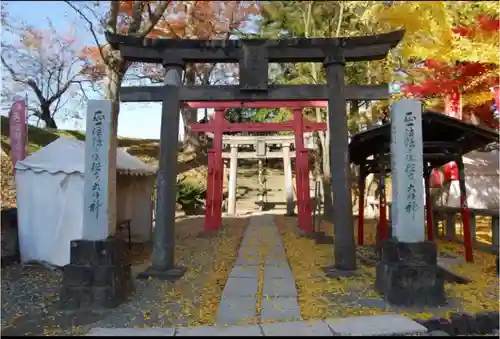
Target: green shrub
<point>190,196</point>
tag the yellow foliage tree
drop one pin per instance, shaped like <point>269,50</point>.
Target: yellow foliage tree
<point>435,31</point>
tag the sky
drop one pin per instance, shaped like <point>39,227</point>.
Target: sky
<point>136,120</point>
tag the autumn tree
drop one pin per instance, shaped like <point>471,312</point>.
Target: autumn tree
<point>104,61</point>
<point>205,20</point>
<point>450,46</point>
<point>44,65</point>
<point>466,82</point>
<point>328,19</point>
<point>189,19</point>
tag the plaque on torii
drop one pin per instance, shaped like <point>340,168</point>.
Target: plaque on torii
<point>253,64</point>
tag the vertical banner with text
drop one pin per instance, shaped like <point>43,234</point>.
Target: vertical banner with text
<point>17,131</point>
<point>97,143</point>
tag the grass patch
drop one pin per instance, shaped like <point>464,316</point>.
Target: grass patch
<point>320,297</point>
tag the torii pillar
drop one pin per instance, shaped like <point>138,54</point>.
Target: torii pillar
<point>287,169</point>
<point>233,172</point>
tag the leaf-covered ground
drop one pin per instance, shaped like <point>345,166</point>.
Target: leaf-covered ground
<point>29,295</point>
<point>320,297</point>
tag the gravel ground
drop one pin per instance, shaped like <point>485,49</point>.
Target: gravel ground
<point>29,294</point>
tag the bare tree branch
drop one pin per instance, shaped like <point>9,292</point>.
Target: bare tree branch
<point>112,23</point>
<point>153,20</point>
<point>91,25</point>
<point>136,17</point>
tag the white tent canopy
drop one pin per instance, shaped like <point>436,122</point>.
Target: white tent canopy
<point>481,182</point>
<point>49,185</point>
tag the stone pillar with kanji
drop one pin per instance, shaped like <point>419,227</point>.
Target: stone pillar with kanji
<point>407,273</point>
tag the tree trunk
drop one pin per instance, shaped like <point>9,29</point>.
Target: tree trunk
<point>190,116</point>
<point>47,117</point>
<point>115,76</point>
<point>191,142</point>
<point>326,177</point>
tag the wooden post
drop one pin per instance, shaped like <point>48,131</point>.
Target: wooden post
<point>383,230</point>
<point>219,166</point>
<point>361,203</point>
<point>306,193</point>
<point>260,166</point>
<point>299,145</point>
<point>287,169</point>
<point>209,195</point>
<point>302,174</point>
<point>428,201</point>
<point>345,247</point>
<point>233,171</point>
<point>162,259</point>
<point>465,211</point>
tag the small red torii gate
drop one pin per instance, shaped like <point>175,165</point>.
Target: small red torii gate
<point>218,125</point>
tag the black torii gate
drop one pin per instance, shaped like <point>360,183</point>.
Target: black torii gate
<point>253,57</point>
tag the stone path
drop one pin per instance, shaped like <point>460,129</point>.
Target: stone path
<point>261,258</point>
<point>382,325</point>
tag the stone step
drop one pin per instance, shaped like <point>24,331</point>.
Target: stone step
<point>380,325</point>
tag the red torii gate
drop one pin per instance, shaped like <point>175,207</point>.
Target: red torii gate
<point>218,125</point>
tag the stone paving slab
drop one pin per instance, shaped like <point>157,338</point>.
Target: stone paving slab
<point>241,287</point>
<point>387,324</point>
<point>236,310</point>
<point>248,251</point>
<point>276,261</point>
<point>281,271</point>
<point>131,332</point>
<point>248,261</point>
<point>261,245</point>
<point>244,272</point>
<point>279,287</point>
<point>297,329</point>
<point>205,331</point>
<point>285,308</point>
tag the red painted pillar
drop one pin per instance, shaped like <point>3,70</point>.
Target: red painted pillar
<point>298,128</point>
<point>209,213</point>
<point>219,166</point>
<point>465,212</point>
<point>361,206</point>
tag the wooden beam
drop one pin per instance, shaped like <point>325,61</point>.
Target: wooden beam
<point>255,104</point>
<point>309,126</point>
<point>233,93</point>
<point>373,47</point>
<point>253,155</point>
<point>252,139</point>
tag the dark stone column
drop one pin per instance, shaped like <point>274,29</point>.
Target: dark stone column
<point>345,247</point>
<point>98,276</point>
<point>407,274</point>
<point>162,259</point>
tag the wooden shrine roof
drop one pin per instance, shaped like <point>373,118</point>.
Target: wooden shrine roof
<point>443,137</point>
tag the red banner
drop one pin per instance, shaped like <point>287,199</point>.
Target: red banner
<point>17,129</point>
<point>453,104</point>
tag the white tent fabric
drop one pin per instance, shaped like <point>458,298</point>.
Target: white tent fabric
<point>49,185</point>
<point>481,182</point>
